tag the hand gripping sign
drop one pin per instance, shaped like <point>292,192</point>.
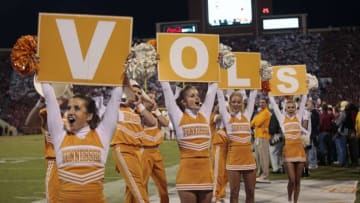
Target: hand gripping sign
<point>83,49</point>
<point>188,57</point>
<point>288,80</point>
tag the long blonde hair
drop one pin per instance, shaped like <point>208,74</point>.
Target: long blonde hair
<point>290,101</point>
<point>238,94</point>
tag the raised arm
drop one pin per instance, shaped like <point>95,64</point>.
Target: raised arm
<point>108,123</point>
<point>222,106</point>
<point>148,118</point>
<point>251,104</point>
<point>302,106</point>
<point>276,109</point>
<point>163,120</point>
<point>54,119</point>
<point>170,102</point>
<point>208,104</point>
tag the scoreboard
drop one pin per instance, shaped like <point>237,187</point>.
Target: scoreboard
<point>190,26</point>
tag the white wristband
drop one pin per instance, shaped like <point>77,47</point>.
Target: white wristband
<point>140,107</point>
<point>157,113</point>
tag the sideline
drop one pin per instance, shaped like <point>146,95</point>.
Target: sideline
<point>319,191</point>
<point>114,191</point>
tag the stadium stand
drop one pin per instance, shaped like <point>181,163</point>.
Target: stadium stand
<point>330,54</point>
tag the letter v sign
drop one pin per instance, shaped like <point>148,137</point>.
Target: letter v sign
<point>84,68</point>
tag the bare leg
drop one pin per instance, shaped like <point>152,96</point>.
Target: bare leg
<point>187,196</point>
<point>306,164</point>
<point>299,166</point>
<point>234,181</point>
<point>290,169</point>
<point>250,181</point>
<point>204,196</point>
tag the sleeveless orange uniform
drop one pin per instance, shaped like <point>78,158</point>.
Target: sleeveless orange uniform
<point>293,150</point>
<point>240,155</point>
<point>81,168</point>
<point>194,138</point>
<point>195,168</point>
<point>81,157</point>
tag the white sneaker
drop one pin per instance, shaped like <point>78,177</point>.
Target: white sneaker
<point>262,180</point>
<point>313,166</point>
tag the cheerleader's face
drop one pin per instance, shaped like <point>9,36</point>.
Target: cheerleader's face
<point>137,95</point>
<point>236,103</point>
<point>77,115</point>
<point>192,100</point>
<point>291,108</point>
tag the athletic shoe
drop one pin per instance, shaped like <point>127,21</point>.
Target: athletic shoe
<point>315,166</point>
<point>262,180</point>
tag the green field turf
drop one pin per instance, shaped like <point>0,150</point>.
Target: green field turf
<point>22,169</point>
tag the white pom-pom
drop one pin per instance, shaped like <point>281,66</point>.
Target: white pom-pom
<point>141,63</point>
<point>265,70</point>
<point>227,58</point>
<point>305,139</point>
<point>312,81</point>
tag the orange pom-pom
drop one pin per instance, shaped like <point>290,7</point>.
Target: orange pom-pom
<point>265,86</point>
<point>152,42</point>
<point>23,55</point>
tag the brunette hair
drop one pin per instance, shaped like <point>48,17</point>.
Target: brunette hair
<point>182,95</point>
<point>91,108</point>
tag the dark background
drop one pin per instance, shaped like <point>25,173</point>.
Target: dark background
<point>19,17</point>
